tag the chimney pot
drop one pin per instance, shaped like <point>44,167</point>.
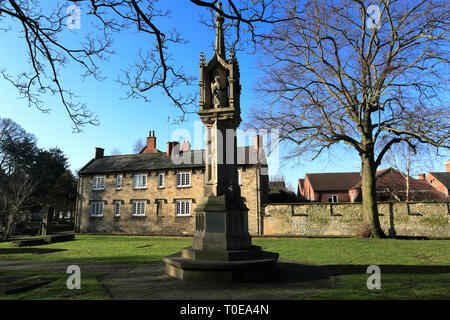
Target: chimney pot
<point>185,146</point>
<point>421,176</point>
<point>447,165</point>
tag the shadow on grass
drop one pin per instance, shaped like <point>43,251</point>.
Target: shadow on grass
<point>28,250</point>
<point>288,272</point>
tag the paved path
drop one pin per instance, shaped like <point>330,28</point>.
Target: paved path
<point>148,281</point>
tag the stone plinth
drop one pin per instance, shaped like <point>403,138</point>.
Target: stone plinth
<point>221,248</point>
<point>239,270</point>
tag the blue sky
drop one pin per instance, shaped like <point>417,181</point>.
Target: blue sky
<point>122,122</point>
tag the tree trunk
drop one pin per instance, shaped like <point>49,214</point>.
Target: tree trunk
<point>407,173</point>
<point>369,199</point>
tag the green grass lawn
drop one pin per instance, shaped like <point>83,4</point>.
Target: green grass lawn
<point>411,269</point>
<point>107,249</point>
<point>90,289</point>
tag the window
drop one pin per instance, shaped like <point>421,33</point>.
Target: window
<point>183,179</point>
<point>183,208</point>
<point>161,180</point>
<point>117,209</point>
<point>239,177</point>
<point>332,198</point>
<point>159,207</point>
<point>97,209</point>
<point>98,183</point>
<point>140,181</point>
<point>138,208</point>
<point>119,182</point>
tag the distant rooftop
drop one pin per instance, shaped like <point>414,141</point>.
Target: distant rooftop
<point>333,180</point>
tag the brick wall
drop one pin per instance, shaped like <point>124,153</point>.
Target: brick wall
<point>343,219</point>
<point>436,184</point>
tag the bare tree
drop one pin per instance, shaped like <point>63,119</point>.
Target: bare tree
<point>15,192</point>
<point>409,162</point>
<point>154,68</point>
<point>138,145</point>
<point>341,73</point>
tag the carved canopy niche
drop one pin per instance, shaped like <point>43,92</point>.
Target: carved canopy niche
<point>219,85</point>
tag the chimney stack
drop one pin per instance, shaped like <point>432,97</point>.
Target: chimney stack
<point>185,146</point>
<point>421,176</point>
<point>171,146</point>
<point>99,153</point>
<point>151,143</point>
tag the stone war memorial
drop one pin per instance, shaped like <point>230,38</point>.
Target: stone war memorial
<point>221,248</point>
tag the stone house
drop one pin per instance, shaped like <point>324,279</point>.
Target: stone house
<point>156,192</point>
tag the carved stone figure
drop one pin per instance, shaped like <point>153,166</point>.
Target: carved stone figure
<point>217,93</point>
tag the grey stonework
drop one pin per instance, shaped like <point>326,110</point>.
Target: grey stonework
<point>418,219</point>
<point>164,221</point>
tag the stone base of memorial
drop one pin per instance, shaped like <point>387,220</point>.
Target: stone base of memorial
<point>221,249</point>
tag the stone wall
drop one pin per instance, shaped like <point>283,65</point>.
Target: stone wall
<point>165,222</point>
<point>344,219</point>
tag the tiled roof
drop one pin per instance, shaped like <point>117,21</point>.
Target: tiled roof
<point>155,161</point>
<point>333,180</point>
<point>392,180</point>
<point>443,177</point>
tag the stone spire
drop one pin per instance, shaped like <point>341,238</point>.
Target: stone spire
<point>220,40</point>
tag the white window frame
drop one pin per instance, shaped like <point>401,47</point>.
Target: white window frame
<point>117,208</point>
<point>98,183</point>
<point>137,183</point>
<point>239,177</point>
<point>186,176</point>
<point>182,208</point>
<point>96,209</point>
<point>138,208</point>
<point>160,180</point>
<point>331,196</point>
<point>119,180</point>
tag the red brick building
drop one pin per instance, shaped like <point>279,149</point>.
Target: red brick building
<point>390,184</point>
<point>439,180</point>
<point>328,187</point>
